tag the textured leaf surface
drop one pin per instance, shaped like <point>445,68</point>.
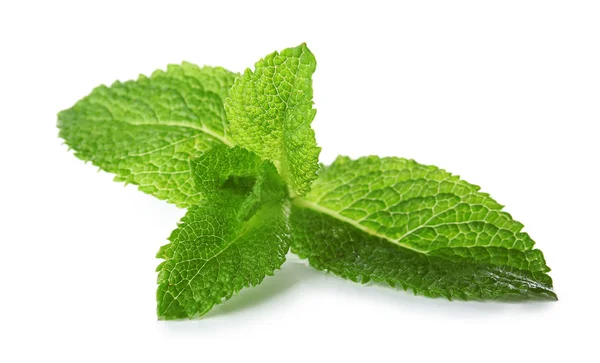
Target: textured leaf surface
<point>145,131</point>
<point>238,234</point>
<point>396,221</point>
<point>270,112</point>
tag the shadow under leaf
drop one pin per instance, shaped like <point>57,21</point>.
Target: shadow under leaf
<point>291,273</point>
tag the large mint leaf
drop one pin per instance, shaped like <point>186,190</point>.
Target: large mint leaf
<point>145,131</point>
<point>415,226</point>
<point>270,111</point>
<point>237,235</point>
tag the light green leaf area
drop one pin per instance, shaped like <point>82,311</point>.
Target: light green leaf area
<point>145,131</point>
<point>237,235</point>
<point>419,227</point>
<point>270,111</point>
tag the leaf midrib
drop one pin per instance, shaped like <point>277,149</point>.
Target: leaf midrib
<point>184,124</point>
<point>300,202</point>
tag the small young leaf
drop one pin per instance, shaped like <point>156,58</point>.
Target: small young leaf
<point>145,131</point>
<point>238,234</point>
<point>396,221</point>
<point>270,112</point>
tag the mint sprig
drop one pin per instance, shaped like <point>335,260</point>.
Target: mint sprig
<point>239,152</point>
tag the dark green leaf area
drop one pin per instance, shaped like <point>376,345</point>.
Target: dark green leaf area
<point>238,175</point>
<point>333,245</point>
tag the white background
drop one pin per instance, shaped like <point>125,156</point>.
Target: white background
<point>504,93</point>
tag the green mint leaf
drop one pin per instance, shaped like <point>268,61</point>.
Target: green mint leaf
<point>145,131</point>
<point>270,112</point>
<point>396,221</point>
<point>212,255</point>
<point>237,235</point>
<point>215,169</point>
<point>239,173</point>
